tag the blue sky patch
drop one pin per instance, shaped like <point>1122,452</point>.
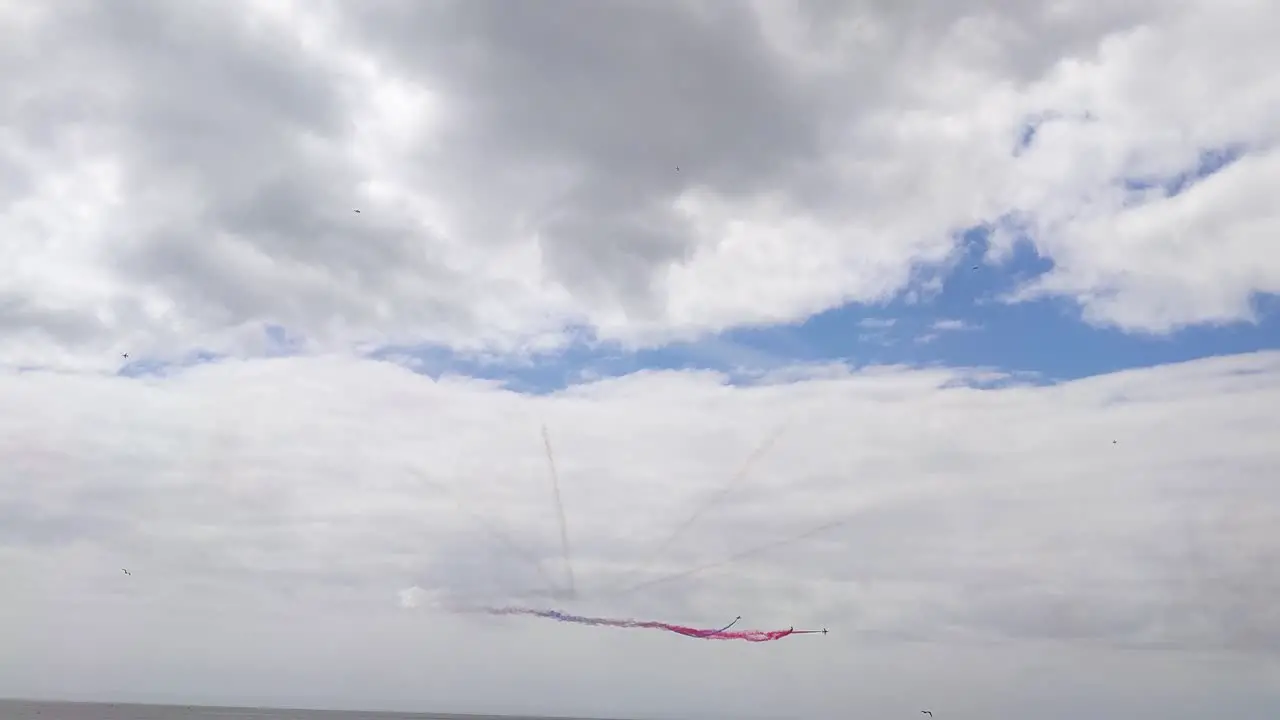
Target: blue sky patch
<point>960,322</point>
<point>1209,163</point>
<point>951,314</point>
<point>150,367</point>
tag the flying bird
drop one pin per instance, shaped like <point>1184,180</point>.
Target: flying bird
<point>126,572</point>
<point>124,355</point>
<point>357,212</point>
<point>927,712</point>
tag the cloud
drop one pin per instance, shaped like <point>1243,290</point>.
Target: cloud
<point>950,325</point>
<point>181,182</point>
<point>1185,283</point>
<point>181,177</point>
<point>415,597</point>
<point>1132,510</point>
<point>877,323</point>
<point>944,326</point>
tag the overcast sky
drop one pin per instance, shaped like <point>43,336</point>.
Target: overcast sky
<point>952,327</point>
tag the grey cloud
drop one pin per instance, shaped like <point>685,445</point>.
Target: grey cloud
<point>20,313</point>
<point>1021,559</point>
<point>552,137</point>
<point>188,91</point>
<point>23,523</point>
<point>322,492</point>
<point>618,95</point>
<point>476,568</point>
<point>219,127</point>
<point>1005,30</point>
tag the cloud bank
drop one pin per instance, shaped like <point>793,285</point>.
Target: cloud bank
<point>1133,511</point>
<point>179,177</point>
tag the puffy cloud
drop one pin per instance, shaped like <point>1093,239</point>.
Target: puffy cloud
<point>285,512</point>
<point>944,326</point>
<point>179,176</point>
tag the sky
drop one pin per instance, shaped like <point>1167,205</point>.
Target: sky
<point>953,328</point>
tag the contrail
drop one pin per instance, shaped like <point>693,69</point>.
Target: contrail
<point>503,538</point>
<point>506,541</point>
<point>715,499</point>
<point>736,557</point>
<point>564,525</point>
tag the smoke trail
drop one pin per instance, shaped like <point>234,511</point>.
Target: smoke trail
<point>702,634</point>
<point>564,525</point>
<point>506,541</point>
<point>726,627</point>
<point>501,537</point>
<point>715,499</point>
<point>742,555</point>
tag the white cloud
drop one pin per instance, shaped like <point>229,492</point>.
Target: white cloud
<point>877,323</point>
<point>1194,258</point>
<point>943,326</point>
<point>414,597</point>
<point>272,511</point>
<point>948,325</point>
<point>179,176</point>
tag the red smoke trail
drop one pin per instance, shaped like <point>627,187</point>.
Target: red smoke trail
<point>703,634</point>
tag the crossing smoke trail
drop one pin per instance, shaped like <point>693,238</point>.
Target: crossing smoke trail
<point>703,634</point>
<point>721,494</point>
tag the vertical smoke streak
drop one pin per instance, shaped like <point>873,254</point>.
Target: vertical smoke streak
<point>564,525</point>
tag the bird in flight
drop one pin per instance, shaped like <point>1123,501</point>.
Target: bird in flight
<point>357,212</point>
<point>124,355</point>
<point>927,712</point>
<point>126,572</point>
